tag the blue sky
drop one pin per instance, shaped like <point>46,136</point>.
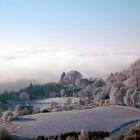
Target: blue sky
<point>47,37</point>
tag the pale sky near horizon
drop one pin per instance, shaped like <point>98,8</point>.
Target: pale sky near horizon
<point>39,39</point>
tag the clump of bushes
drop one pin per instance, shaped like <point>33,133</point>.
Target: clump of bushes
<point>4,134</point>
<point>37,110</point>
<point>23,110</point>
<point>83,135</point>
<point>69,101</point>
<point>54,104</point>
<point>7,116</point>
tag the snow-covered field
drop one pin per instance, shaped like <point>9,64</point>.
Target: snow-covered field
<point>58,99</point>
<point>44,103</point>
<point>111,118</point>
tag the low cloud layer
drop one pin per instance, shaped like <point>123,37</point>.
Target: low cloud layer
<point>46,65</point>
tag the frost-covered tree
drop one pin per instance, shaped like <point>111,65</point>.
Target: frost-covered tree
<point>71,77</point>
<point>135,97</point>
<point>116,97</point>
<point>134,72</point>
<point>131,83</point>
<point>128,100</point>
<point>69,101</point>
<point>121,88</point>
<point>62,92</point>
<point>124,87</point>
<point>24,96</point>
<point>7,116</point>
<point>54,104</point>
<point>78,83</point>
<point>94,93</point>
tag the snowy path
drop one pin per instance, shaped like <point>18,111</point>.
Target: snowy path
<point>100,118</point>
<point>124,128</point>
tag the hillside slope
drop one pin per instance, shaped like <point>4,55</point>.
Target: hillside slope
<point>100,118</point>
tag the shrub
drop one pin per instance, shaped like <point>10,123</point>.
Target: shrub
<point>69,101</point>
<point>37,110</point>
<point>4,135</point>
<point>23,110</point>
<point>24,97</point>
<point>7,116</point>
<point>18,110</point>
<point>133,134</point>
<point>70,138</point>
<point>59,138</point>
<point>84,135</point>
<point>121,137</point>
<point>132,138</point>
<point>54,104</point>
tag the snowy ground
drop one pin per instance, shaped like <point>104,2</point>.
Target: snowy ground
<point>112,118</point>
